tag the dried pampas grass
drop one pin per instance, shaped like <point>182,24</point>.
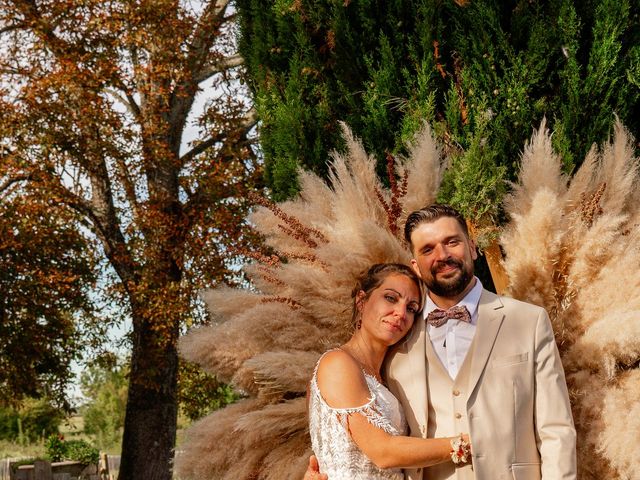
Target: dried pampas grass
<point>572,246</point>
<point>266,342</point>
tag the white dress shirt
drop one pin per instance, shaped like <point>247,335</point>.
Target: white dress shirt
<point>452,340</point>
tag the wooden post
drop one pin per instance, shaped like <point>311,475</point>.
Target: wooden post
<point>5,470</point>
<point>493,254</point>
<point>103,467</point>
<point>42,470</point>
<point>20,475</point>
<point>498,273</point>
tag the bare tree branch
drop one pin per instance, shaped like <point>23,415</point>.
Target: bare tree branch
<point>198,198</point>
<point>204,35</point>
<point>11,71</point>
<point>218,66</point>
<point>127,100</point>
<point>99,210</point>
<point>10,28</point>
<point>247,124</point>
<point>129,186</point>
<point>15,179</point>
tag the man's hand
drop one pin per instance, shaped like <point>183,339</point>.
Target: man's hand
<point>313,470</point>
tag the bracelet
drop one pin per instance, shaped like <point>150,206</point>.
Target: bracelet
<point>460,450</point>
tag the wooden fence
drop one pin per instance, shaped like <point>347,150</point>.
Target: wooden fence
<point>107,469</point>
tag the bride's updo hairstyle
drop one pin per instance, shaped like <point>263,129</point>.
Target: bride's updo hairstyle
<point>373,278</point>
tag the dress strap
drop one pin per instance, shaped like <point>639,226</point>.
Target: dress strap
<point>370,410</point>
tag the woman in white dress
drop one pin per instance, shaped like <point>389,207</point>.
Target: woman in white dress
<point>358,430</point>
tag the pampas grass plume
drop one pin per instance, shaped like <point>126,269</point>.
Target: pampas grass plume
<point>587,275</point>
<point>266,340</point>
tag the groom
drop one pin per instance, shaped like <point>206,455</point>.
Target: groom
<point>496,374</point>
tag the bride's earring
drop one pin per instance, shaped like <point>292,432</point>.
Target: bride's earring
<point>359,307</point>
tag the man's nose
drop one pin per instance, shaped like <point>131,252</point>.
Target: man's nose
<point>442,253</point>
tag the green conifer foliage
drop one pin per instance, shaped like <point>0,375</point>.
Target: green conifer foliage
<point>483,73</point>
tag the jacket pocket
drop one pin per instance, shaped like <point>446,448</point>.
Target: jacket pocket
<point>509,360</point>
<point>526,471</point>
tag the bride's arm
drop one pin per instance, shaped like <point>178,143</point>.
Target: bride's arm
<point>392,451</point>
<point>343,386</point>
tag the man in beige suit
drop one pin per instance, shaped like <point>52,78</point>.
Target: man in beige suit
<point>498,376</point>
<point>495,373</point>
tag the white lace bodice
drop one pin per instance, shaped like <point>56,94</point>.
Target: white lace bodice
<point>337,453</point>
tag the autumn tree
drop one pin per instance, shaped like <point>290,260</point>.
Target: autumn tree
<point>96,98</point>
<point>47,315</point>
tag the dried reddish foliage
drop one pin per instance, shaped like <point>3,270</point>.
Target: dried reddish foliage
<point>45,306</point>
<point>95,100</point>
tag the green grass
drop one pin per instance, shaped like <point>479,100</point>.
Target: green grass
<point>10,449</point>
<point>73,429</point>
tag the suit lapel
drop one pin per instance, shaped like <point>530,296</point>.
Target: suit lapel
<point>409,364</point>
<point>490,318</point>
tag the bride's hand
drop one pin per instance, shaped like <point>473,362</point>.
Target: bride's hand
<point>313,470</point>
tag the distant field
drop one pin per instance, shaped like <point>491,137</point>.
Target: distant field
<point>71,429</point>
<point>14,450</point>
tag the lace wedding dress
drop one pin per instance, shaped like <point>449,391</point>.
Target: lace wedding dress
<point>337,453</point>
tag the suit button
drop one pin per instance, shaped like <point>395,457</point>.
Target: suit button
<point>456,392</point>
<point>458,415</point>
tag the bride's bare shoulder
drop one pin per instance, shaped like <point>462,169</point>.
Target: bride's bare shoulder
<point>341,380</point>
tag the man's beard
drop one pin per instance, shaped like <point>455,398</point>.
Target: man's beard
<point>453,286</point>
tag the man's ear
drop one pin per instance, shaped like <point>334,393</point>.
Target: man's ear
<point>414,266</point>
<point>474,249</point>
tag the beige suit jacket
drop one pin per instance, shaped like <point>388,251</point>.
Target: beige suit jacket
<point>517,403</point>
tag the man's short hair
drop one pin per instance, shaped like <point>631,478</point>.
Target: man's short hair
<point>430,214</point>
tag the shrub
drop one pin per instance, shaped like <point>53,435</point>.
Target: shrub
<point>32,421</point>
<point>106,388</point>
<point>75,450</point>
<point>55,447</point>
<point>8,423</point>
<point>39,418</point>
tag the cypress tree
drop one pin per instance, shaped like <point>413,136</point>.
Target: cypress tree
<point>484,73</point>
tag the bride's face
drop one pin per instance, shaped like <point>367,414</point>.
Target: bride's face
<point>390,310</point>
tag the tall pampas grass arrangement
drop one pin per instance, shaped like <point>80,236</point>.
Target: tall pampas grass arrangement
<point>572,246</point>
<point>266,340</point>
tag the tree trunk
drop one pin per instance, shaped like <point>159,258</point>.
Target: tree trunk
<point>152,411</point>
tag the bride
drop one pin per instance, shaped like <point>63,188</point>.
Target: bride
<point>358,430</point>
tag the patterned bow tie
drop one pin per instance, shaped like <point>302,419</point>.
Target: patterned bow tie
<point>439,317</point>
